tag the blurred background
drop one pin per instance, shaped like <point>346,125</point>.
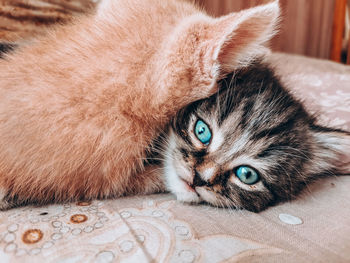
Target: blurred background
<point>315,28</point>
<point>309,27</point>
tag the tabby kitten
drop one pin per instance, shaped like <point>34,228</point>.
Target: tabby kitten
<point>249,146</point>
<point>79,106</point>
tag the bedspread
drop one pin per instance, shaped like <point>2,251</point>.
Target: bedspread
<point>313,228</point>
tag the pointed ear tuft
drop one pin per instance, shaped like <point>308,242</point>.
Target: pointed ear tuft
<point>332,149</point>
<point>239,38</point>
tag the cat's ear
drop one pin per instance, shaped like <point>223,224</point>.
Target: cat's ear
<point>104,7</point>
<point>332,149</point>
<point>238,38</point>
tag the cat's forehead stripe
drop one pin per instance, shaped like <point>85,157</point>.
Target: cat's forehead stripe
<point>217,141</point>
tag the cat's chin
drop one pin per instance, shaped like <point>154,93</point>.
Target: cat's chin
<point>188,197</point>
<point>183,192</point>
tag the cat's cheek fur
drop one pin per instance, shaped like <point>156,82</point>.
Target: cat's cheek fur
<point>173,182</point>
<point>216,199</point>
<point>208,196</point>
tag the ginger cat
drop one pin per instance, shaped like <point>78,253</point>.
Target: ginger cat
<point>79,107</point>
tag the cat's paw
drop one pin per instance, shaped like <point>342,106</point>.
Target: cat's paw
<point>4,203</point>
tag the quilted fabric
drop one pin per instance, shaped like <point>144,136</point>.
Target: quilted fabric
<point>313,228</point>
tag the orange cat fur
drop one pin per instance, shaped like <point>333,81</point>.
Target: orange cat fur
<point>79,106</point>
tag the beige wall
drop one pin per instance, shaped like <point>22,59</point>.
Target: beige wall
<point>306,26</point>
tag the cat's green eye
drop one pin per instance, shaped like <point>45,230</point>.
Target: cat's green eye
<point>247,174</point>
<point>202,132</point>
